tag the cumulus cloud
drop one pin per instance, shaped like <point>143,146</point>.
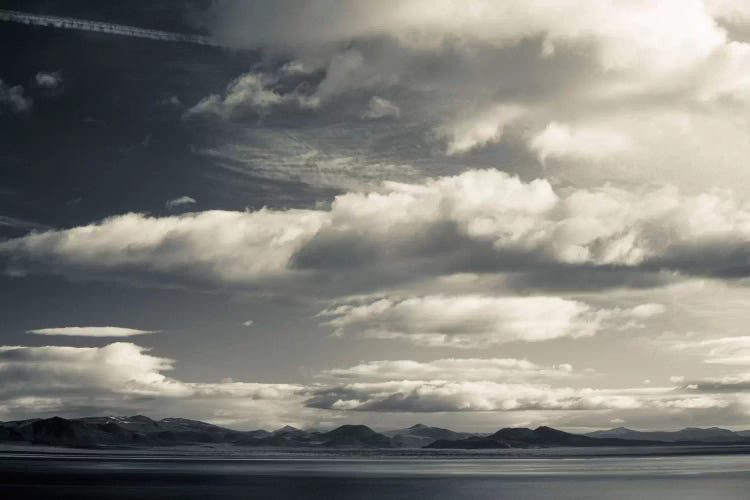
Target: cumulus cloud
<point>179,202</point>
<point>119,368</point>
<point>623,34</point>
<point>463,369</point>
<point>91,331</point>
<point>51,80</point>
<point>473,320</point>
<point>124,376</point>
<point>213,246</point>
<point>559,140</point>
<point>641,41</point>
<point>570,74</point>
<point>493,221</point>
<point>378,107</point>
<point>248,93</point>
<point>478,129</point>
<point>481,396</point>
<point>14,99</point>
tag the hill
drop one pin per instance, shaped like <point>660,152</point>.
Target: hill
<point>420,435</point>
<point>141,431</point>
<point>688,434</point>
<point>541,437</point>
<point>138,430</point>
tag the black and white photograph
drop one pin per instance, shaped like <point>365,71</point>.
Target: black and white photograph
<point>375,249</point>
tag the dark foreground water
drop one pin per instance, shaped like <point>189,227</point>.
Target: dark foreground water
<point>528,475</point>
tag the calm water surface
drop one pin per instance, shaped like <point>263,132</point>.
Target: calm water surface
<point>517,474</point>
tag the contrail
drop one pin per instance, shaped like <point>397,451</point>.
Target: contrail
<point>114,29</point>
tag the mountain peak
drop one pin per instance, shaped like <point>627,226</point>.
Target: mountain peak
<point>286,428</point>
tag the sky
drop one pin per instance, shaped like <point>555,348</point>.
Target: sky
<point>470,214</point>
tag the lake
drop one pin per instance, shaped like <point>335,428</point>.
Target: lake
<point>665,473</point>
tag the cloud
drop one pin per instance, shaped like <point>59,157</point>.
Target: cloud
<point>639,44</point>
<point>179,202</point>
<point>248,323</point>
<point>483,396</point>
<point>212,246</point>
<point>248,93</point>
<point>738,382</point>
<point>478,129</point>
<point>13,98</point>
<point>378,107</point>
<point>623,34</point>
<point>574,76</point>
<point>119,368</point>
<point>91,331</point>
<point>51,80</point>
<point>456,369</point>
<point>124,376</point>
<point>561,141</point>
<point>480,220</point>
<point>718,351</point>
<point>471,321</point>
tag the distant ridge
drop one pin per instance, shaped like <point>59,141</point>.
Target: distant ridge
<point>707,435</point>
<point>141,431</point>
<point>541,437</point>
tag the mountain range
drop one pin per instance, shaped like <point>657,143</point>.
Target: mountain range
<point>709,435</point>
<point>142,431</point>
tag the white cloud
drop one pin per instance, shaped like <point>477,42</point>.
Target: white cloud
<point>456,369</point>
<point>51,80</point>
<point>478,129</point>
<point>720,351</point>
<point>481,396</point>
<point>248,323</point>
<point>667,34</point>
<point>472,321</point>
<point>248,93</point>
<point>123,376</point>
<point>119,368</point>
<point>493,222</point>
<point>91,331</point>
<point>179,202</point>
<point>14,99</point>
<point>218,246</point>
<point>378,107</point>
<point>609,58</point>
<point>559,140</point>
